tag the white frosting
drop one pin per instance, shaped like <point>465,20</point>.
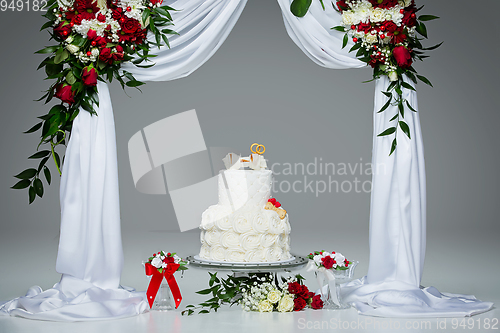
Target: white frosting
<point>238,228</point>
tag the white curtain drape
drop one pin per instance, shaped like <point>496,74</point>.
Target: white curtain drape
<point>398,207</point>
<point>90,256</point>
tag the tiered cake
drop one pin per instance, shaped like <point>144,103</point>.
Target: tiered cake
<point>247,225</point>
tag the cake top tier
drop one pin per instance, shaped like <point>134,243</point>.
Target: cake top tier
<point>255,161</point>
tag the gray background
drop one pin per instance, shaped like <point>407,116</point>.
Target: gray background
<point>259,87</point>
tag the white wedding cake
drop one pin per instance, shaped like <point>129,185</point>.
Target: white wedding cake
<point>247,225</point>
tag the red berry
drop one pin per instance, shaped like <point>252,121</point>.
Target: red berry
<point>89,53</point>
<point>129,9</point>
<point>375,47</point>
<point>93,43</point>
<point>65,33</point>
<point>355,40</point>
<point>72,24</point>
<point>353,27</point>
<point>335,261</point>
<point>379,53</point>
<point>402,11</point>
<point>122,20</point>
<point>413,15</point>
<point>382,28</point>
<point>169,254</point>
<point>333,252</point>
<point>382,36</point>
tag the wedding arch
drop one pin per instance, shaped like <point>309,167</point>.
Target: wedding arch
<point>90,255</point>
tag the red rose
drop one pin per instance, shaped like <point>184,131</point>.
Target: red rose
<point>91,34</point>
<point>294,288</point>
<point>89,77</point>
<point>408,20</point>
<point>101,41</point>
<point>317,303</point>
<point>118,55</point>
<point>130,26</point>
<point>168,260</point>
<point>117,13</point>
<point>105,55</point>
<point>63,30</point>
<point>386,4</point>
<point>402,56</point>
<point>390,27</point>
<point>154,2</point>
<point>65,93</point>
<point>298,304</point>
<point>101,18</point>
<point>304,292</point>
<point>327,262</point>
<point>77,19</point>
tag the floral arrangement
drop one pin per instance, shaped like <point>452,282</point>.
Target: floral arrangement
<point>161,260</point>
<point>386,36</point>
<point>262,292</point>
<point>334,260</point>
<point>93,38</point>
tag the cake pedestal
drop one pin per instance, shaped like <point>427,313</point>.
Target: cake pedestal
<point>286,266</point>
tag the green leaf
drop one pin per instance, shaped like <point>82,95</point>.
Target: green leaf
<point>204,291</point>
<point>407,86</point>
<point>34,128</point>
<point>393,146</point>
<point>46,171</point>
<point>386,105</point>
<point>401,108</point>
<point>203,311</point>
<point>344,42</point>
<point>31,194</point>
<point>393,118</point>
<point>322,4</point>
<point>40,154</point>
<point>388,94</point>
<point>388,131</point>
<point>26,174</point>
<point>427,17</point>
<point>424,80</point>
<point>37,184</point>
<point>79,41</point>
<point>339,28</point>
<point>355,47</point>
<point>299,8</point>
<point>49,49</point>
<point>46,25</point>
<point>42,163</point>
<point>405,128</point>
<point>21,184</point>
<point>421,29</point>
<point>53,69</point>
<point>134,83</point>
<point>61,56</point>
<point>433,47</point>
<point>410,107</point>
<point>70,78</point>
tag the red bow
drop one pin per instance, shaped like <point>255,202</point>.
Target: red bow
<point>156,280</point>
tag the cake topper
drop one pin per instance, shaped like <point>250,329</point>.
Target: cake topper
<point>255,161</point>
<point>260,149</point>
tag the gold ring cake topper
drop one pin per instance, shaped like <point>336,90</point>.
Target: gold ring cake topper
<point>259,149</point>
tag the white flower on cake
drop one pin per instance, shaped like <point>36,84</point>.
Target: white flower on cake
<point>256,255</point>
<point>241,223</point>
<point>218,253</point>
<point>250,240</point>
<point>212,237</point>
<point>260,223</point>
<point>265,306</point>
<point>269,240</point>
<point>235,255</point>
<point>273,253</point>
<point>274,296</point>
<point>205,251</point>
<point>276,226</point>
<point>230,240</point>
<point>285,304</point>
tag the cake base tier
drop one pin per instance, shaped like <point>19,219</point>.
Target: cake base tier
<point>296,262</point>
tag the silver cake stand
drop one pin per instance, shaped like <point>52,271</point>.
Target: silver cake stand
<point>287,266</point>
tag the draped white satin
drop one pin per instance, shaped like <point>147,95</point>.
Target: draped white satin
<point>90,256</point>
<point>398,198</point>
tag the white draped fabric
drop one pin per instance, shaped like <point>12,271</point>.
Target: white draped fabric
<point>90,256</point>
<point>398,200</point>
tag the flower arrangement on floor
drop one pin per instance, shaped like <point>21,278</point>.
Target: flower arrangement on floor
<point>385,35</point>
<point>93,38</point>
<point>263,292</point>
<point>163,265</point>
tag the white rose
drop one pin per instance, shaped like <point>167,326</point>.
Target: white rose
<point>317,259</point>
<point>230,240</point>
<point>377,15</point>
<point>205,251</point>
<point>274,296</point>
<point>156,262</point>
<point>339,258</point>
<point>218,253</point>
<point>269,240</point>
<point>241,223</point>
<point>273,254</point>
<point>212,237</point>
<point>370,39</point>
<point>285,304</point>
<point>250,240</point>
<point>256,255</point>
<point>348,18</point>
<point>72,48</point>
<point>260,223</point>
<point>265,306</point>
<point>393,76</point>
<point>235,255</point>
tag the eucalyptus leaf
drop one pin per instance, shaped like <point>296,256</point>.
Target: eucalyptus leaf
<point>26,174</point>
<point>34,128</point>
<point>31,194</point>
<point>40,154</point>
<point>299,8</point>
<point>393,146</point>
<point>388,131</point>
<point>37,184</point>
<point>405,128</point>
<point>21,184</point>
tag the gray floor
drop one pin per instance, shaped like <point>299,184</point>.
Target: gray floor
<point>458,261</point>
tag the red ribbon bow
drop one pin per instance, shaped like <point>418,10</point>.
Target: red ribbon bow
<point>156,280</point>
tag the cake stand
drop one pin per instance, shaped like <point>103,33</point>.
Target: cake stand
<point>297,262</point>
